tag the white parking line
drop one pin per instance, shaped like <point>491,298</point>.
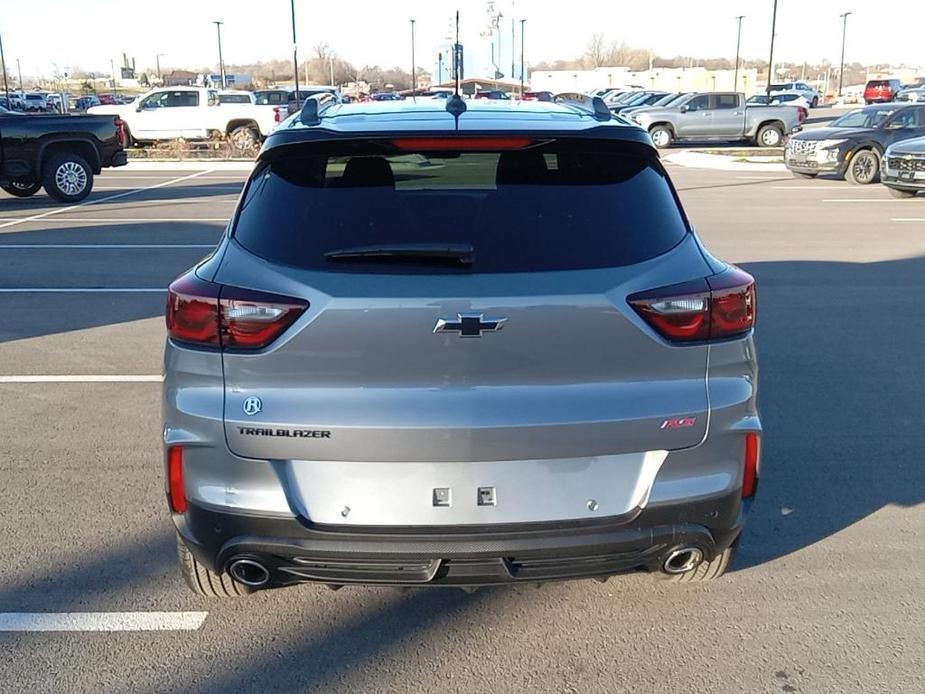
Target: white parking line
<point>84,378</point>
<point>758,178</point>
<point>908,219</point>
<point>81,290</point>
<point>97,201</point>
<point>115,220</point>
<point>102,621</point>
<point>860,200</point>
<point>105,246</point>
<point>811,186</point>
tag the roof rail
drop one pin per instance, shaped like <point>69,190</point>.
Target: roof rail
<point>314,106</point>
<point>593,105</point>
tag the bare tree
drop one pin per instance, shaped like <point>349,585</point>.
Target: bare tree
<point>596,51</point>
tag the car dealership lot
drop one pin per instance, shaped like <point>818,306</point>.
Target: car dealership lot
<point>827,591</point>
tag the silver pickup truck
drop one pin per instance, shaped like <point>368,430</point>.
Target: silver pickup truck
<point>718,116</point>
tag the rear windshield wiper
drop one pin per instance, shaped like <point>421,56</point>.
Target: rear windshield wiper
<point>454,253</point>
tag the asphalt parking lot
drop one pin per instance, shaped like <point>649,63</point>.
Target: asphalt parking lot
<point>826,595</point>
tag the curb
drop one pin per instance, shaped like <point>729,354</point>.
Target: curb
<point>202,165</point>
<point>699,160</point>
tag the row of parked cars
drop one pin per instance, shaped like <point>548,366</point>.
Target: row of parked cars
<point>726,116</point>
<point>880,142</point>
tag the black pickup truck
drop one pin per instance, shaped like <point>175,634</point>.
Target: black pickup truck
<point>60,153</point>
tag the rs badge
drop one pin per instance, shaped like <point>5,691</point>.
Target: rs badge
<point>252,406</point>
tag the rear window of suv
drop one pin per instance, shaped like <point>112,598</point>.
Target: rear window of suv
<point>559,205</point>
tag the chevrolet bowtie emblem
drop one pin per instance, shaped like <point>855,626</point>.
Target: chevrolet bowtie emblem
<point>469,325</point>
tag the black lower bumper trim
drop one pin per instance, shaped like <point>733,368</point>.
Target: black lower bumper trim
<point>294,553</point>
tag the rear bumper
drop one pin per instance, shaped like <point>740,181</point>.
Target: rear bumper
<point>296,551</point>
<point>120,158</point>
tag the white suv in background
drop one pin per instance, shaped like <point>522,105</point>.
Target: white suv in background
<point>811,94</point>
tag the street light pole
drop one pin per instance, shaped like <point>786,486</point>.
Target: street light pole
<point>295,51</point>
<point>221,62</point>
<point>157,59</point>
<point>414,86</point>
<point>19,72</point>
<point>771,57</point>
<point>512,47</point>
<point>844,30</point>
<point>735,79</point>
<point>522,22</point>
<point>6,87</point>
<point>112,65</point>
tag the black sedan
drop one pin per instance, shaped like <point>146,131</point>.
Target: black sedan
<point>853,145</point>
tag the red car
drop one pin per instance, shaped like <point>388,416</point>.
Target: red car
<point>881,91</point>
<point>538,96</point>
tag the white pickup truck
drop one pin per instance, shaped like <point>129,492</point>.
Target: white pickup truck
<point>193,113</point>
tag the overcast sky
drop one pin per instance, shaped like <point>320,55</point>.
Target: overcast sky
<point>86,34</point>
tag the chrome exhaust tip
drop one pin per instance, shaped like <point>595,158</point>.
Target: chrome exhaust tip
<point>682,560</point>
<point>249,572</point>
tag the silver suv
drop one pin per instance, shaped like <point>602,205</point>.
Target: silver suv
<point>458,345</point>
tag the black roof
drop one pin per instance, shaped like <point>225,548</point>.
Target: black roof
<point>426,116</point>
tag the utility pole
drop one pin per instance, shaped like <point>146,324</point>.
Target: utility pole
<point>19,71</point>
<point>331,60</point>
<point>844,30</point>
<point>6,87</point>
<point>512,46</point>
<point>771,56</point>
<point>112,65</point>
<point>414,86</point>
<point>522,74</point>
<point>221,62</point>
<point>735,79</point>
<point>295,51</point>
<point>157,58</point>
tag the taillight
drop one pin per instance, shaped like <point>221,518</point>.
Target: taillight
<point>750,469</point>
<point>176,491</point>
<point>713,308</point>
<point>120,131</point>
<point>205,313</point>
<point>277,115</point>
<point>423,144</point>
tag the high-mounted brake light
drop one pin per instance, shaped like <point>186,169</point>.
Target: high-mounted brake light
<point>205,313</point>
<point>424,144</point>
<point>176,490</point>
<point>750,470</point>
<point>713,308</point>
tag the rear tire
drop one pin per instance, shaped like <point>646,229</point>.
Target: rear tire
<point>903,194</point>
<point>22,190</point>
<point>864,168</point>
<point>67,177</point>
<point>204,582</point>
<point>708,570</point>
<point>661,136</point>
<point>769,136</point>
<point>245,139</point>
<point>801,174</point>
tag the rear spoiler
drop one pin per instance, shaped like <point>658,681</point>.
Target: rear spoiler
<point>593,105</point>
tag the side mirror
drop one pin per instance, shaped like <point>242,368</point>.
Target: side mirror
<point>139,108</point>
<point>684,108</point>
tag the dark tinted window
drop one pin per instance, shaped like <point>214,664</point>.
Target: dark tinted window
<point>560,206</point>
<point>234,99</point>
<point>726,101</point>
<point>271,98</point>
